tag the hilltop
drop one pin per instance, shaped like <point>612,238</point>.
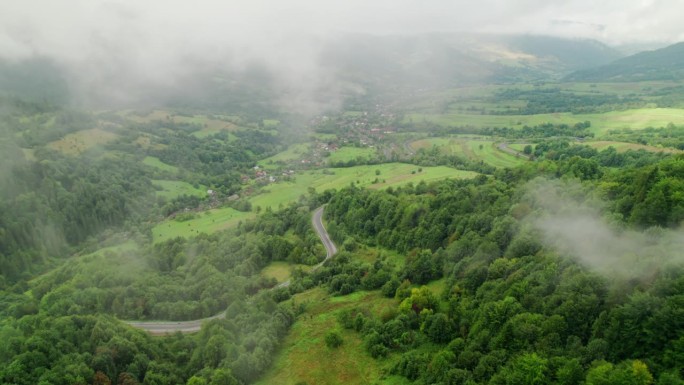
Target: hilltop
<point>661,64</point>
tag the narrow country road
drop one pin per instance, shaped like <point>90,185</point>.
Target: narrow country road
<point>330,248</point>
<point>169,327</point>
<point>504,147</point>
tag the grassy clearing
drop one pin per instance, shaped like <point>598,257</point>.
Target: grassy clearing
<point>208,125</point>
<point>271,123</point>
<point>204,222</point>
<point>304,357</point>
<point>156,163</point>
<point>324,137</point>
<point>170,189</point>
<point>282,271</point>
<point>346,154</point>
<point>78,142</point>
<point>293,152</point>
<point>520,146</point>
<point>601,123</point>
<point>624,146</point>
<point>120,263</point>
<point>391,174</point>
<point>203,133</point>
<point>474,149</point>
<point>29,154</point>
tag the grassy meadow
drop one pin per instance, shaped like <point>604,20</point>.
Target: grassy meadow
<point>390,174</point>
<point>472,148</point>
<point>346,154</point>
<point>293,152</point>
<point>303,356</point>
<point>281,270</point>
<point>79,142</point>
<point>208,222</point>
<point>158,164</point>
<point>170,189</point>
<point>600,123</point>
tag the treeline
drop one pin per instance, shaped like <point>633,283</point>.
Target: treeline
<point>546,130</point>
<point>54,337</point>
<point>509,311</point>
<point>58,202</point>
<point>552,100</point>
<point>97,349</point>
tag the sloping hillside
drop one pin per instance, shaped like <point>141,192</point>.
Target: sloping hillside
<point>661,64</point>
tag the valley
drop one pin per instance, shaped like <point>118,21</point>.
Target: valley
<point>511,215</point>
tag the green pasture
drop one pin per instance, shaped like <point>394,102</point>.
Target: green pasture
<point>156,163</point>
<point>474,149</point>
<point>346,154</point>
<point>600,122</point>
<point>117,263</point>
<point>303,356</point>
<point>520,146</point>
<point>172,188</point>
<point>81,141</point>
<point>208,222</point>
<point>390,174</point>
<point>293,152</point>
<point>281,270</point>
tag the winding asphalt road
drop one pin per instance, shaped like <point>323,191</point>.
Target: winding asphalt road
<point>170,327</point>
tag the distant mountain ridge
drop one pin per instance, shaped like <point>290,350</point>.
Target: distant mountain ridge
<point>446,60</point>
<point>661,64</point>
<point>392,64</point>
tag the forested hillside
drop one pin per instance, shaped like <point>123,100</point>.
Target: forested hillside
<point>512,310</point>
<point>160,207</point>
<point>661,64</point>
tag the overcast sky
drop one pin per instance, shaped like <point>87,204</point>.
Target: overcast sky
<point>144,36</point>
<point>78,26</point>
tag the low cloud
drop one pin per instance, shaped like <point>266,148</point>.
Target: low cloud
<point>133,51</point>
<point>571,221</point>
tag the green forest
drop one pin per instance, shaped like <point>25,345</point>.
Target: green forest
<point>504,222</point>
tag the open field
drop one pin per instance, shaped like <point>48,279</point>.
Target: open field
<point>293,152</point>
<point>303,356</point>
<point>81,141</point>
<point>520,146</point>
<point>208,125</point>
<point>29,154</point>
<point>460,99</point>
<point>271,123</point>
<point>281,270</point>
<point>391,174</point>
<point>346,154</point>
<point>625,146</point>
<point>472,148</point>
<point>600,123</point>
<point>634,119</point>
<point>156,163</point>
<point>145,141</point>
<point>204,222</point>
<point>121,262</point>
<point>173,188</point>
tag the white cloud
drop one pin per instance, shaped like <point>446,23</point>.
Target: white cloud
<point>156,41</point>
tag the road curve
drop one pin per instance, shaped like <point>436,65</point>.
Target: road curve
<point>330,248</point>
<point>504,147</point>
<point>317,221</point>
<point>170,327</point>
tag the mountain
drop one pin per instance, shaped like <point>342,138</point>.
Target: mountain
<point>345,66</point>
<point>36,78</point>
<point>447,60</point>
<point>661,64</point>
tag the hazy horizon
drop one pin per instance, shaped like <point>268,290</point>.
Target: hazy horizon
<point>125,50</point>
